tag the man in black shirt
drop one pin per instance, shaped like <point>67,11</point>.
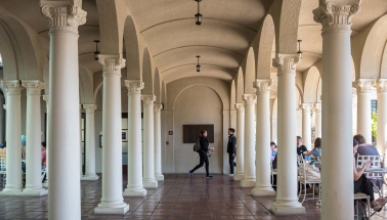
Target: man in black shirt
<point>231,149</point>
<point>300,147</point>
<point>203,155</point>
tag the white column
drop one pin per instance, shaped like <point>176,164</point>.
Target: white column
<point>382,116</point>
<point>33,142</point>
<point>306,124</point>
<point>2,121</point>
<point>80,143</point>
<point>317,124</point>
<point>135,187</point>
<point>47,99</point>
<point>157,111</point>
<point>249,158</point>
<point>364,117</point>
<point>337,196</point>
<point>287,198</point>
<point>263,153</point>
<point>13,184</point>
<point>149,180</point>
<point>240,135</point>
<point>90,173</point>
<point>112,201</point>
<point>63,129</point>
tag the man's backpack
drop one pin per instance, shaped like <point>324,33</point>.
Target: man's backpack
<point>197,146</point>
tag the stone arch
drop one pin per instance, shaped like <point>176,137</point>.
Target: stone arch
<point>147,73</point>
<point>232,94</point>
<point>17,46</point>
<point>111,15</point>
<point>383,69</point>
<point>86,86</point>
<point>249,74</point>
<point>96,90</point>
<point>285,15</point>
<point>264,48</point>
<point>368,48</point>
<point>133,64</point>
<point>311,85</point>
<point>240,85</point>
<point>157,86</point>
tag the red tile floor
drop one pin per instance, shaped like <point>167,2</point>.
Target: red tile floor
<point>179,197</point>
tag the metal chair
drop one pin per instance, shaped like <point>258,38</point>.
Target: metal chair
<point>303,178</point>
<point>362,211</point>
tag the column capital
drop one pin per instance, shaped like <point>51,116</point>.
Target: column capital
<point>262,85</point>
<point>158,107</point>
<point>134,86</point>
<point>46,98</point>
<point>63,16</point>
<point>336,16</point>
<point>12,87</point>
<point>306,107</point>
<point>286,62</point>
<point>33,86</point>
<point>317,106</point>
<point>381,85</point>
<point>90,108</point>
<point>363,85</point>
<point>240,106</point>
<point>249,98</point>
<point>148,98</point>
<point>111,64</point>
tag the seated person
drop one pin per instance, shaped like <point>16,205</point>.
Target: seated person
<point>367,149</point>
<point>316,152</point>
<point>301,149</point>
<point>363,185</point>
<point>273,148</point>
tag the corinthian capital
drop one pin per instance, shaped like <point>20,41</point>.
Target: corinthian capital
<point>147,99</point>
<point>262,85</point>
<point>12,87</point>
<point>63,16</point>
<point>286,62</point>
<point>111,64</point>
<point>240,106</point>
<point>33,86</point>
<point>90,108</point>
<point>336,16</point>
<point>306,107</point>
<point>363,85</point>
<point>158,107</point>
<point>317,107</point>
<point>381,85</point>
<point>250,99</point>
<point>134,86</point>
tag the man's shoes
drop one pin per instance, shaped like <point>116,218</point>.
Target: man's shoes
<point>190,174</point>
<point>209,177</point>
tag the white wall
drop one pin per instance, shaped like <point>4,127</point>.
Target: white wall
<point>197,105</point>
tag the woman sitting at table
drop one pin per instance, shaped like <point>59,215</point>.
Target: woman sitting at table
<point>363,185</point>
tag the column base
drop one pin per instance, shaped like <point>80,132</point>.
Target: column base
<point>263,191</point>
<point>159,177</point>
<point>35,192</point>
<point>45,184</point>
<point>152,184</point>
<point>135,192</point>
<point>11,192</point>
<point>239,177</point>
<point>89,177</point>
<point>117,210</point>
<point>247,183</point>
<point>293,208</point>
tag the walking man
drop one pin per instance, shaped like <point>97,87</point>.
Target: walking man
<point>203,155</point>
<point>231,149</point>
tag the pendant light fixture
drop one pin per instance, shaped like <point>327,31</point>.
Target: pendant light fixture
<point>299,48</point>
<point>96,53</point>
<point>198,66</point>
<point>198,16</point>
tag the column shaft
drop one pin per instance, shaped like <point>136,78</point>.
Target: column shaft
<point>306,125</point>
<point>149,180</point>
<point>240,134</point>
<point>157,114</point>
<point>46,98</point>
<point>364,117</point>
<point>33,142</point>
<point>13,133</point>
<point>90,173</point>
<point>262,155</point>
<point>112,201</point>
<point>317,112</point>
<point>337,196</point>
<point>382,117</point>
<point>249,158</point>
<point>134,187</point>
<point>287,198</point>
